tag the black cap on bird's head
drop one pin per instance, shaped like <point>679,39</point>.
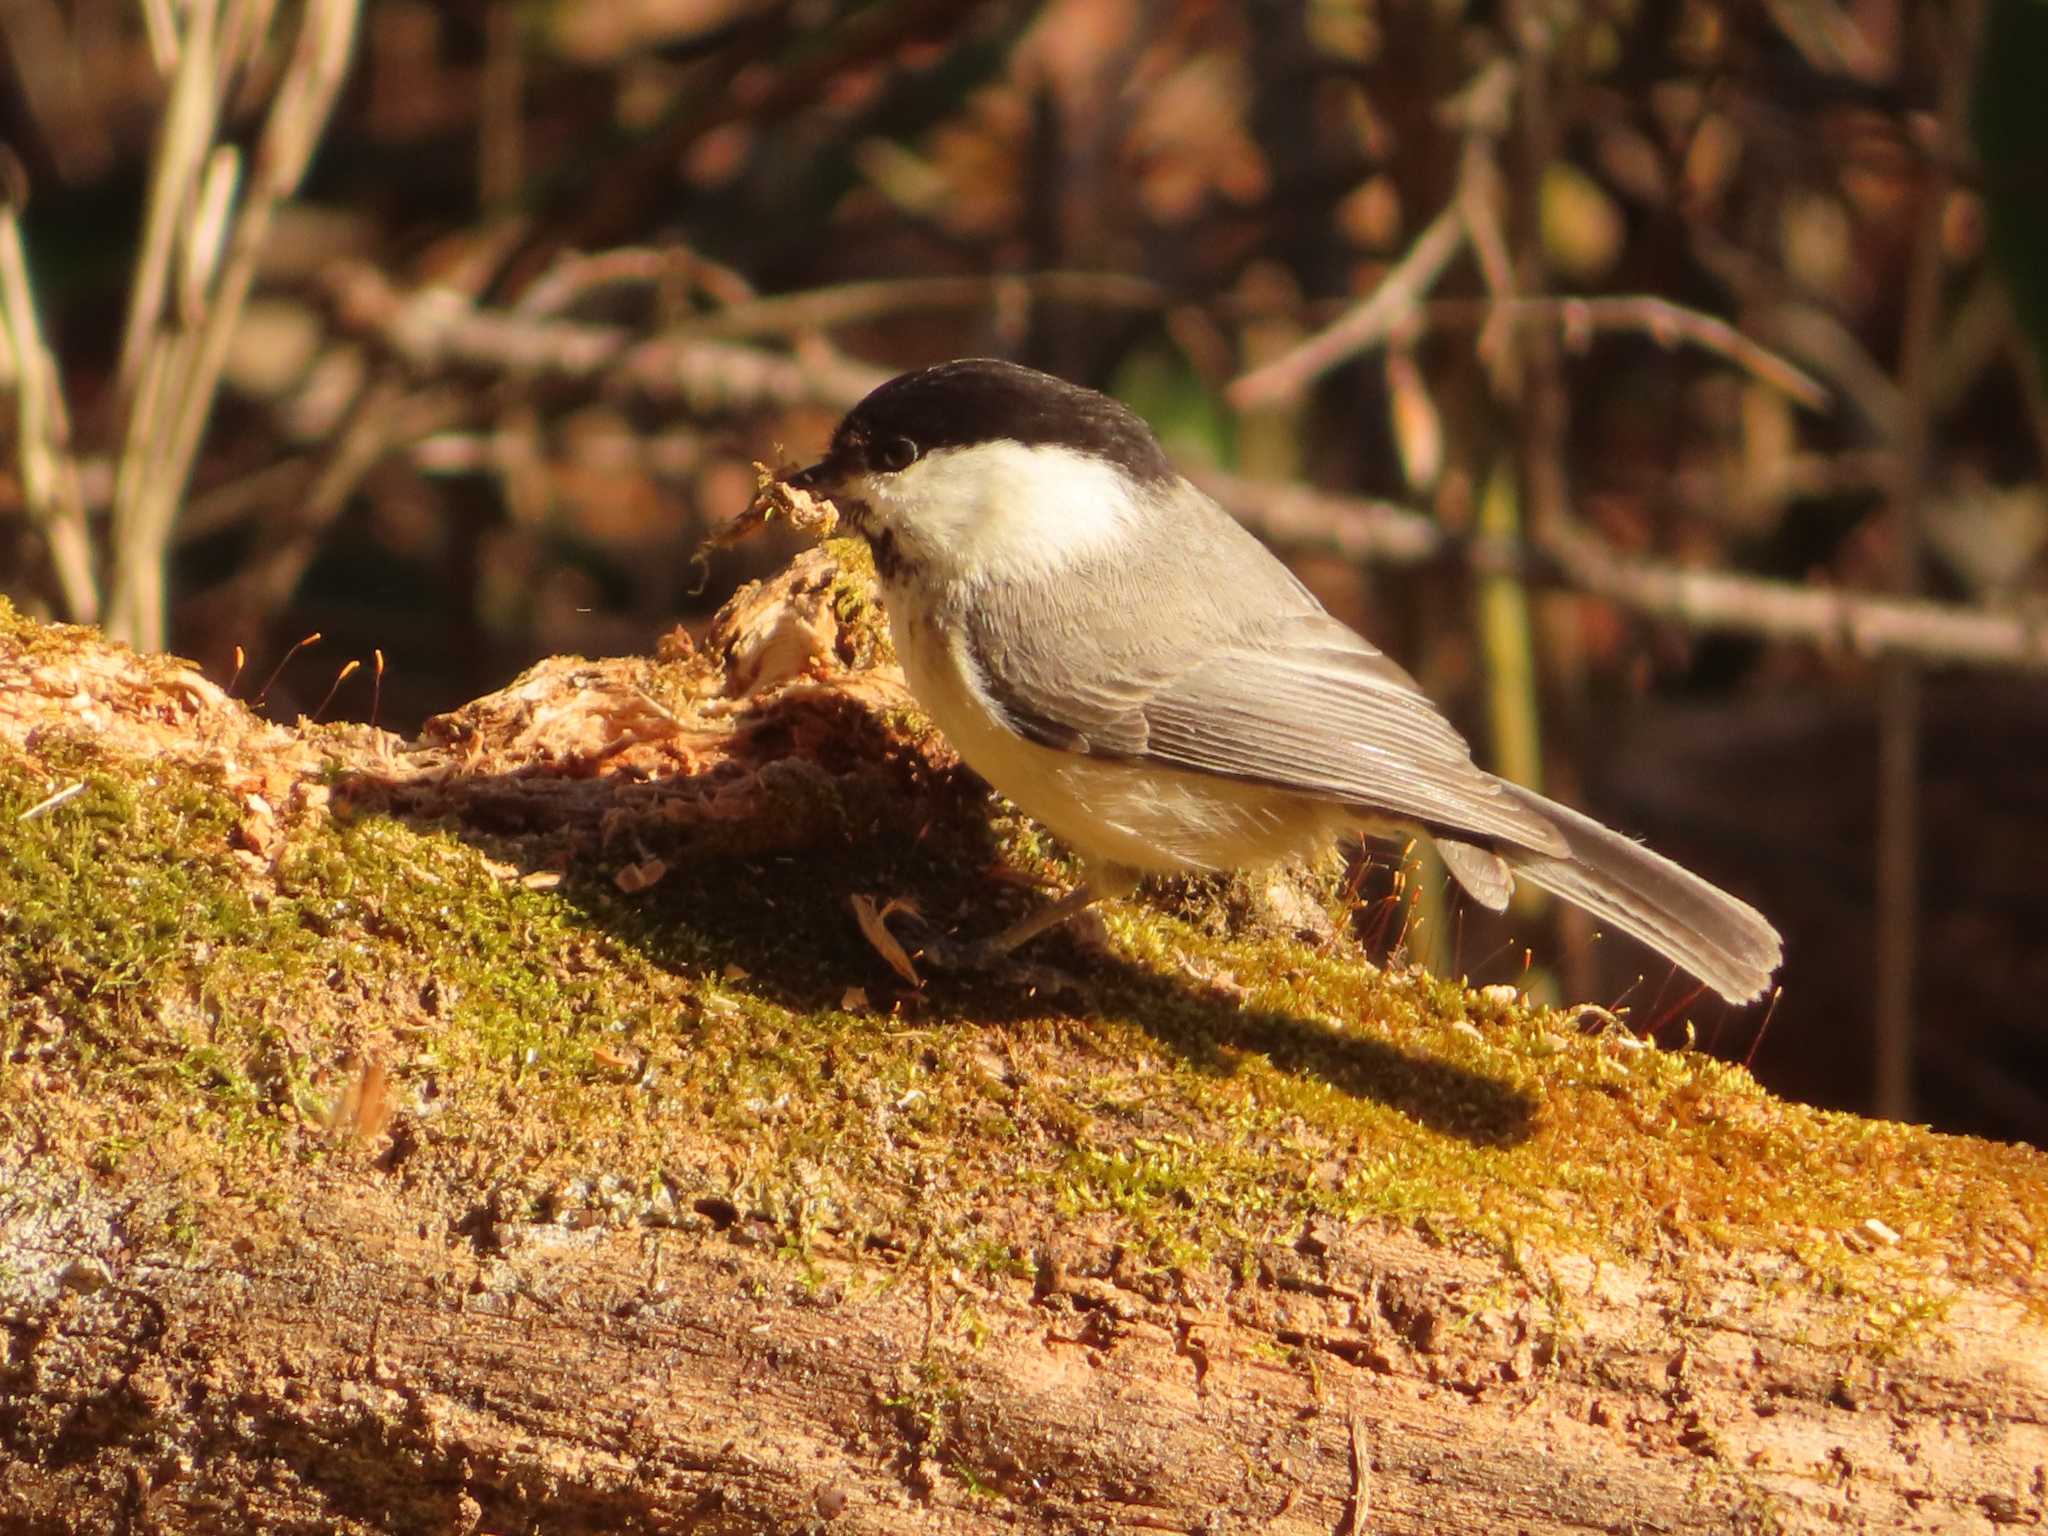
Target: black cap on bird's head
<point>979,400</point>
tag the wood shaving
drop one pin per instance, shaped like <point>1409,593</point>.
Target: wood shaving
<point>634,878</point>
<point>874,927</point>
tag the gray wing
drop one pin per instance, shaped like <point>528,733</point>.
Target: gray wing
<point>1318,709</point>
<point>1152,662</point>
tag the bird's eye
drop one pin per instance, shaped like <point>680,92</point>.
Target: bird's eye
<point>894,453</point>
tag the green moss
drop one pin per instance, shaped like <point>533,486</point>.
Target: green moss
<point>31,637</point>
<point>123,914</point>
<point>1193,1096</point>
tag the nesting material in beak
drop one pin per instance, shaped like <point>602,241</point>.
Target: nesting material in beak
<point>796,499</point>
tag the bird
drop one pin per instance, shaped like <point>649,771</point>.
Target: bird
<point>1124,661</point>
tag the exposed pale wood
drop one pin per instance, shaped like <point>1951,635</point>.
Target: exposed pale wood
<point>362,1368</point>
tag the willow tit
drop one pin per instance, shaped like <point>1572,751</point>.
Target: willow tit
<point>1110,649</point>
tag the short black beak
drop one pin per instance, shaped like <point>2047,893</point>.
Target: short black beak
<point>821,477</point>
<point>827,478</point>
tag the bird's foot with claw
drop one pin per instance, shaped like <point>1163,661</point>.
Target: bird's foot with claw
<point>990,958</point>
<point>941,952</point>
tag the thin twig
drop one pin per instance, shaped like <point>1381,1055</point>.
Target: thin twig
<point>1537,502</point>
<point>191,117</point>
<point>1481,112</point>
<point>433,327</point>
<point>49,474</point>
<point>850,303</point>
<point>1479,196</point>
<point>500,129</point>
<point>49,803</point>
<point>1358,1508</point>
<point>162,30</point>
<point>1829,346</point>
<point>1411,277</point>
<point>382,419</point>
<point>496,451</point>
<point>1664,321</point>
<point>1479,191</point>
<point>574,276</point>
<point>1972,341</point>
<point>1360,529</point>
<point>1899,727</point>
<point>163,441</point>
<point>1861,623</point>
<point>713,375</point>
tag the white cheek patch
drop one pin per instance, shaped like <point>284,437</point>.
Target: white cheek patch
<point>1003,507</point>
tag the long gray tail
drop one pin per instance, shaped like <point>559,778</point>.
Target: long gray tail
<point>1725,942</point>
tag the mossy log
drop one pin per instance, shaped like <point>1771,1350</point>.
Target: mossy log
<point>548,1125</point>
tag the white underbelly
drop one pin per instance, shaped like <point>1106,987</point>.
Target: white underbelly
<point>1147,818</point>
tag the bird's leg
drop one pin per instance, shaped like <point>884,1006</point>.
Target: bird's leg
<point>1103,881</point>
<point>1024,930</point>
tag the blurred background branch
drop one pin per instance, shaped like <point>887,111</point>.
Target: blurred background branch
<point>205,232</point>
<point>1950,35</point>
<point>1297,519</point>
<point>452,330</point>
<point>51,495</point>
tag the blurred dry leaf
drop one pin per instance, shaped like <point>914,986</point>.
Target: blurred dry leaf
<point>1990,536</point>
<point>1963,227</point>
<point>1370,216</point>
<point>1602,45</point>
<point>1071,38</point>
<point>973,179</point>
<point>1710,162</point>
<point>335,382</point>
<point>1582,227</point>
<point>599,32</point>
<point>1418,429</point>
<point>1837,39</point>
<point>634,878</point>
<point>306,237</point>
<point>1344,29</point>
<point>1817,241</point>
<point>1675,108</point>
<point>1631,160</point>
<point>720,156</point>
<point>272,347</point>
<point>1347,123</point>
<point>1189,140</point>
<point>1770,436</point>
<point>907,179</point>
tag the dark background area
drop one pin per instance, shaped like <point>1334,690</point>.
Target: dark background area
<point>560,273</point>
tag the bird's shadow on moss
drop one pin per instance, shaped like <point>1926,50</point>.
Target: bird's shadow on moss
<point>787,923</point>
<point>764,901</point>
